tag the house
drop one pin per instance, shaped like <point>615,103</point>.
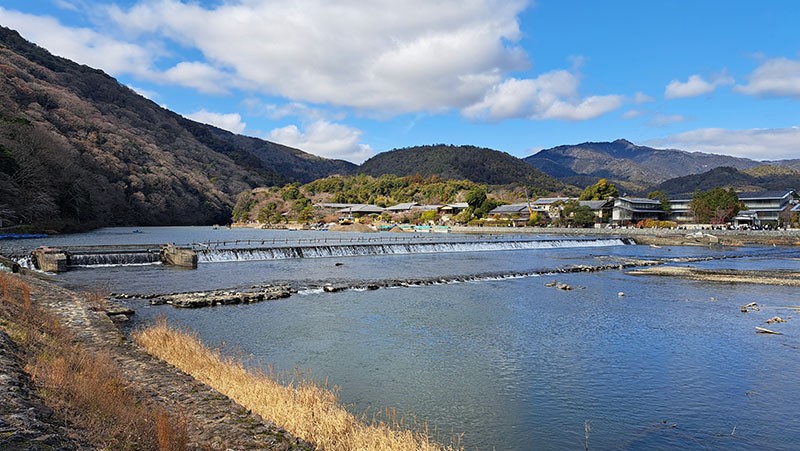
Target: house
<point>454,209</point>
<point>401,208</point>
<point>602,209</point>
<point>509,211</point>
<point>759,208</point>
<point>680,210</point>
<point>629,210</point>
<point>551,206</point>
<point>358,210</point>
<point>765,207</point>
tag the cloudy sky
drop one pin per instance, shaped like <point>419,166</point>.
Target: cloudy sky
<point>350,78</point>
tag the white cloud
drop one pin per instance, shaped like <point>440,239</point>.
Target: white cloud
<point>65,4</point>
<point>382,55</point>
<point>695,86</point>
<point>757,144</point>
<point>631,114</point>
<point>200,76</point>
<point>775,77</point>
<point>231,121</point>
<point>80,44</point>
<point>641,98</point>
<point>553,95</point>
<point>325,139</point>
<point>152,95</point>
<point>661,120</point>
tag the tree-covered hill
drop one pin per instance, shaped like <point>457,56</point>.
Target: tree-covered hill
<point>450,162</point>
<point>752,180</point>
<point>622,160</point>
<point>79,150</point>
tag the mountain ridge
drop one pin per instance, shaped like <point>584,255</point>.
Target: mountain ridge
<point>622,160</point>
<point>79,150</point>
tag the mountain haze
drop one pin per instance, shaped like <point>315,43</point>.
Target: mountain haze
<point>80,150</point>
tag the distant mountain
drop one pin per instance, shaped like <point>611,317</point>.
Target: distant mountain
<point>758,179</point>
<point>624,161</point>
<point>80,150</point>
<point>461,163</point>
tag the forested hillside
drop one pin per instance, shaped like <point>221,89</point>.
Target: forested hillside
<point>622,160</point>
<point>761,178</point>
<point>79,150</point>
<point>462,163</point>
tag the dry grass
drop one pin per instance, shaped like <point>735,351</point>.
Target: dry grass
<point>97,298</point>
<point>304,408</point>
<point>85,388</point>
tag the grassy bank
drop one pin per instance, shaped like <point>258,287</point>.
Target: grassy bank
<point>84,387</point>
<point>304,408</point>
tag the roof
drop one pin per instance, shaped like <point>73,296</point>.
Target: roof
<point>457,205</point>
<point>640,200</point>
<point>333,205</point>
<point>402,207</point>
<point>549,200</point>
<point>766,195</point>
<point>508,209</point>
<point>427,207</point>
<point>362,208</point>
<point>593,204</point>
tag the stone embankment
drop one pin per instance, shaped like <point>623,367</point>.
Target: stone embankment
<point>213,420</point>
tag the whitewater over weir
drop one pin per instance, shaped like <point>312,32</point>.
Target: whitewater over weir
<point>212,255</point>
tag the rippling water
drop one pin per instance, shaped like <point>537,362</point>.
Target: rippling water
<point>512,364</point>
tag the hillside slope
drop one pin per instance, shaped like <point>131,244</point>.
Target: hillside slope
<point>625,161</point>
<point>79,150</point>
<point>461,163</point>
<point>762,178</point>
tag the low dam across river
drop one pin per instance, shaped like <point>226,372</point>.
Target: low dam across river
<point>188,256</point>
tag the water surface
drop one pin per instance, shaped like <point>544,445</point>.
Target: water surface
<point>512,364</point>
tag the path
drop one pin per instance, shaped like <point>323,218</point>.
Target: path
<point>214,421</point>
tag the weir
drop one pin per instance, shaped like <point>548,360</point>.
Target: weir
<point>232,254</point>
<point>61,259</point>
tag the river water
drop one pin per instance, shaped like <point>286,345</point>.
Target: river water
<point>508,362</point>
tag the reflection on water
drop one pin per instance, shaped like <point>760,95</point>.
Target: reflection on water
<point>515,365</point>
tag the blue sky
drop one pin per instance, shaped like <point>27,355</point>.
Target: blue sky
<point>349,79</point>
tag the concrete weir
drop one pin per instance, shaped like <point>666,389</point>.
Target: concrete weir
<point>178,256</point>
<point>50,259</point>
<point>57,260</point>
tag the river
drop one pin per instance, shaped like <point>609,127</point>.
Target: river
<point>644,362</point>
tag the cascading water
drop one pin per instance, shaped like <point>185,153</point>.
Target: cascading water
<point>348,250</point>
<point>114,259</point>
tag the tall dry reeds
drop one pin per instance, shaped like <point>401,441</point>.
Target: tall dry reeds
<point>84,387</point>
<point>304,408</point>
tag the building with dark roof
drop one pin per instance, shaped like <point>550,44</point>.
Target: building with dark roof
<point>630,210</point>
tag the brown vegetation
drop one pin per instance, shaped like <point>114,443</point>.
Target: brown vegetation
<point>301,406</point>
<point>84,388</point>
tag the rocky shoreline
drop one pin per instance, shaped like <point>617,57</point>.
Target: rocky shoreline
<point>762,277</point>
<point>660,237</point>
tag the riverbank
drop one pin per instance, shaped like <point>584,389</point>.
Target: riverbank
<point>210,420</point>
<point>659,237</point>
